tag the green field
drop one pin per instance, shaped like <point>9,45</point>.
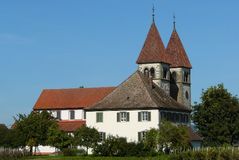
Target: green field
<point>163,157</point>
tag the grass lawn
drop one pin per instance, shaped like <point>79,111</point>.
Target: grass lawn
<point>163,157</point>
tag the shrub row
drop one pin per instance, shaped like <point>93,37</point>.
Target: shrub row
<point>118,146</point>
<point>210,154</point>
<point>12,154</point>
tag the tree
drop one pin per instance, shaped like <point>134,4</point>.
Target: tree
<point>173,136</point>
<point>3,134</point>
<point>87,137</point>
<point>33,128</point>
<point>58,138</point>
<point>217,116</point>
<point>151,139</point>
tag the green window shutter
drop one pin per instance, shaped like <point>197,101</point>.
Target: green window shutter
<point>139,116</point>
<point>127,116</point>
<point>149,115</point>
<point>139,136</point>
<point>118,117</point>
<point>84,114</point>
<point>97,117</point>
<point>104,136</point>
<point>101,117</point>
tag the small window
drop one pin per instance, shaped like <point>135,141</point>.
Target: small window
<point>174,77</point>
<point>152,72</point>
<point>163,116</point>
<point>141,135</point>
<point>123,117</point>
<point>146,72</point>
<point>165,71</point>
<point>187,95</point>
<point>99,117</point>
<point>186,77</point>
<point>102,136</point>
<point>144,116</point>
<point>58,114</point>
<point>72,114</point>
<point>84,113</point>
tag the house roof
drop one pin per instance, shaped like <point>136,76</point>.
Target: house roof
<point>176,53</point>
<point>70,98</point>
<point>137,93</point>
<point>70,125</point>
<point>193,136</point>
<point>153,50</point>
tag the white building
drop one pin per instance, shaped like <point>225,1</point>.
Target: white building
<point>159,89</point>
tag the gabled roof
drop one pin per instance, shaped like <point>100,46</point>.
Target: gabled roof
<point>137,93</point>
<point>176,52</point>
<point>153,50</point>
<point>70,98</point>
<point>70,125</point>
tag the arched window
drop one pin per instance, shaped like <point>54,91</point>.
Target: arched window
<point>186,95</point>
<point>186,77</point>
<point>174,77</point>
<point>152,72</point>
<point>146,72</point>
<point>165,71</point>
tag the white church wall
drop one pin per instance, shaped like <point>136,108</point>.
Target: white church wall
<point>128,129</point>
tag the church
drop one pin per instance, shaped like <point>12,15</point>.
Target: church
<point>159,89</point>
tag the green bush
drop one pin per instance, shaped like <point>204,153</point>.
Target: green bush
<point>226,155</point>
<point>12,154</point>
<point>117,146</point>
<point>212,154</point>
<point>199,155</point>
<point>69,151</point>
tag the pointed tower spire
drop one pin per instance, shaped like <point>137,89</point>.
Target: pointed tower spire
<point>153,50</point>
<point>176,52</point>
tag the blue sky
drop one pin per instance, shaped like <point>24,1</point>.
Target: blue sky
<point>66,44</point>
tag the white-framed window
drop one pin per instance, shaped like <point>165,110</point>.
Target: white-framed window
<point>144,116</point>
<point>123,117</point>
<point>58,114</point>
<point>72,114</point>
<point>141,135</point>
<point>102,136</point>
<point>99,117</point>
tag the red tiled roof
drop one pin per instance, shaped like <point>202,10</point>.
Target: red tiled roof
<point>153,50</point>
<point>176,52</point>
<point>70,98</point>
<point>70,125</point>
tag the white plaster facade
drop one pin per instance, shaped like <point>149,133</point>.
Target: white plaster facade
<point>65,114</point>
<point>128,129</point>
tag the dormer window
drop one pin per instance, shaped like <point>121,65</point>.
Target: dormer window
<point>152,72</point>
<point>146,72</point>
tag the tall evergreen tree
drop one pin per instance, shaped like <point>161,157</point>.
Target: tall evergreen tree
<point>217,116</point>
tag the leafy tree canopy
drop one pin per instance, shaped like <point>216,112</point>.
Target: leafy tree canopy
<point>33,128</point>
<point>173,136</point>
<point>58,138</point>
<point>87,137</point>
<point>217,116</point>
